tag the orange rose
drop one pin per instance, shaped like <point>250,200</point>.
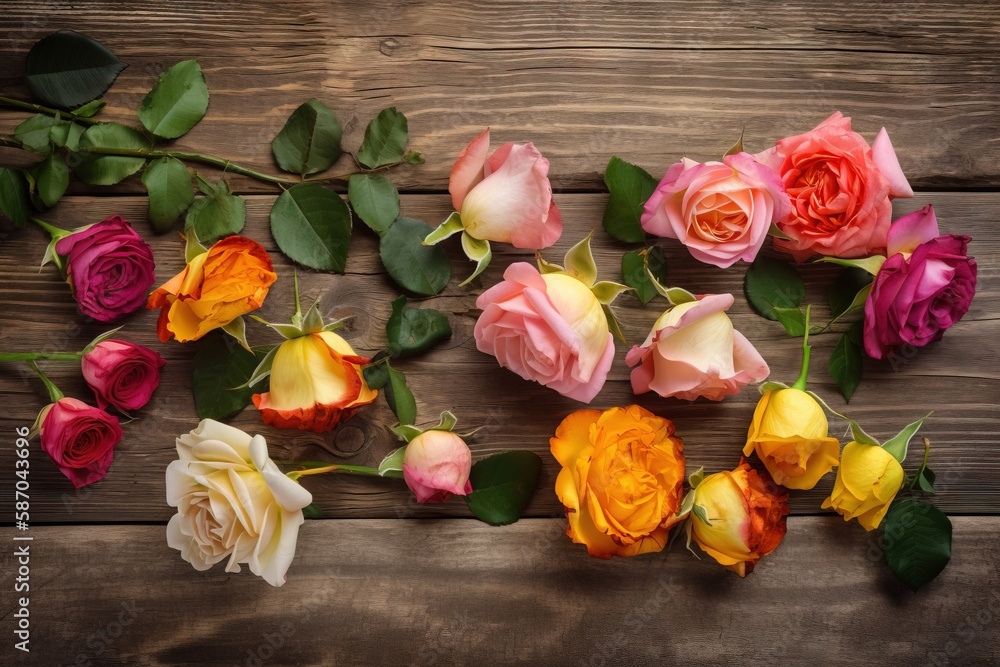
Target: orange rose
<point>621,480</point>
<point>229,280</point>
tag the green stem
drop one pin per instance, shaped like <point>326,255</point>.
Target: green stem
<point>54,393</point>
<point>55,232</point>
<point>8,103</point>
<point>32,356</point>
<point>800,383</point>
<point>356,470</point>
<point>11,142</point>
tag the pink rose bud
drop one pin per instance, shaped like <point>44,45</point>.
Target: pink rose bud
<point>109,267</point>
<point>80,439</point>
<point>122,374</point>
<point>436,465</point>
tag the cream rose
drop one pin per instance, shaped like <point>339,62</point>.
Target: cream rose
<point>232,500</point>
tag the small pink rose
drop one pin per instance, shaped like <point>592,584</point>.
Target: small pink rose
<point>436,465</point>
<point>79,439</point>
<point>122,374</point>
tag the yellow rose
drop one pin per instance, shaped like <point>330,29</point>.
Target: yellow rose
<point>868,479</point>
<point>621,479</point>
<point>790,435</point>
<point>747,516</point>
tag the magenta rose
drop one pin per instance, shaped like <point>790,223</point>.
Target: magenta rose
<point>924,287</point>
<point>122,374</point>
<point>109,267</point>
<point>80,439</point>
<point>436,465</point>
<point>721,211</point>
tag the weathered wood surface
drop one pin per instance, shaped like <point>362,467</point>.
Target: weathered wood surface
<point>468,594</point>
<point>648,80</point>
<point>955,377</point>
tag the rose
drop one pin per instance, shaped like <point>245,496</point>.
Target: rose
<point>229,280</point>
<point>109,267</point>
<point>790,434</point>
<point>316,383</point>
<point>840,188</point>
<point>721,211</point>
<point>547,328</point>
<point>505,196</point>
<point>868,479</point>
<point>232,500</point>
<point>122,374</point>
<point>694,351</point>
<point>80,439</point>
<point>924,287</point>
<point>746,515</point>
<point>436,465</point>
<point>621,479</point>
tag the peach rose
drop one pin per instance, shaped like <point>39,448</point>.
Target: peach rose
<point>436,466</point>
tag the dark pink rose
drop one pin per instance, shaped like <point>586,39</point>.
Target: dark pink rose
<point>122,374</point>
<point>923,288</point>
<point>80,439</point>
<point>109,267</point>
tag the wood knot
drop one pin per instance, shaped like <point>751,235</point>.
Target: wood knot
<point>388,46</point>
<point>350,440</point>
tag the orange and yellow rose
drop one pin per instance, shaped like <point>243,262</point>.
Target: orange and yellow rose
<point>229,280</point>
<point>621,479</point>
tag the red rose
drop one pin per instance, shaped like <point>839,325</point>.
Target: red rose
<point>79,439</point>
<point>122,374</point>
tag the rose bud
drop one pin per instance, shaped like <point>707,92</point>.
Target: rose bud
<point>316,383</point>
<point>80,439</point>
<point>232,501</point>
<point>436,465</point>
<point>790,434</point>
<point>694,351</point>
<point>122,374</point>
<point>747,515</point>
<point>621,481</point>
<point>923,288</point>
<point>868,479</point>
<point>109,267</point>
<point>721,211</point>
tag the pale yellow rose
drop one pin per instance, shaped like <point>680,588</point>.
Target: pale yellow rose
<point>867,481</point>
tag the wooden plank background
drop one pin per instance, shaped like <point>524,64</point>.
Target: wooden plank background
<point>649,81</point>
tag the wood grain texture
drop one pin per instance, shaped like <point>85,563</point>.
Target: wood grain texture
<point>468,594</point>
<point>649,82</point>
<point>957,377</point>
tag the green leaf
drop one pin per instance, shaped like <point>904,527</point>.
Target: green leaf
<point>385,139</point>
<point>51,179</point>
<point>847,361</point>
<point>844,291</point>
<point>899,443</point>
<point>97,169</point>
<point>67,134</point>
<point>479,251</point>
<point>419,269</point>
<point>413,157</point>
<point>219,213</point>
<point>925,479</point>
<point>870,264</point>
<point>89,110</point>
<point>312,511</point>
<point>310,140</point>
<point>701,514</point>
<point>36,133</point>
<point>607,291</point>
<point>376,373</point>
<point>771,282</point>
<point>177,102</point>
<point>696,478</point>
<point>579,261</point>
<point>393,462</point>
<point>634,274</point>
<point>170,192</point>
<point>312,225</point>
<point>67,69</point>
<point>793,319</point>
<point>413,330</point>
<point>14,202</point>
<point>630,187</point>
<point>375,200</point>
<point>859,435</point>
<point>399,397</point>
<point>220,365</point>
<point>917,536</point>
<point>502,486</point>
<point>452,225</point>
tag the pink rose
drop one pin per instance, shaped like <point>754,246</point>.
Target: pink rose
<point>505,196</point>
<point>122,374</point>
<point>80,439</point>
<point>720,210</point>
<point>109,267</point>
<point>436,465</point>
<point>547,328</point>
<point>923,288</point>
<point>694,351</point>
<point>841,190</point>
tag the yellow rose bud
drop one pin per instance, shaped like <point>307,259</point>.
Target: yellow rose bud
<point>789,432</point>
<point>867,481</point>
<point>621,480</point>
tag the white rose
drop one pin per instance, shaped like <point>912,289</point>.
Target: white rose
<point>232,500</point>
